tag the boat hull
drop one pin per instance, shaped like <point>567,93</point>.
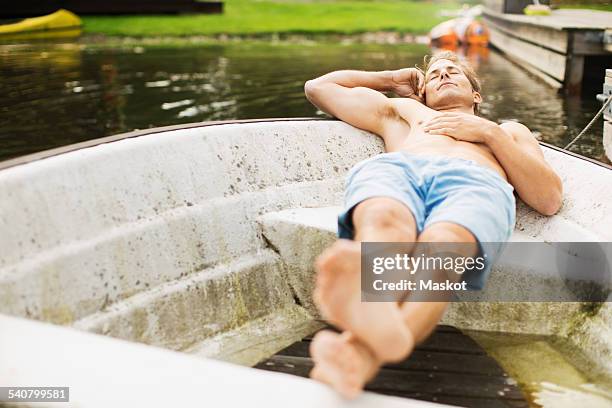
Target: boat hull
<point>60,20</point>
<point>160,237</point>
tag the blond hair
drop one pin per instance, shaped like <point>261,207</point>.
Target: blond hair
<point>468,71</point>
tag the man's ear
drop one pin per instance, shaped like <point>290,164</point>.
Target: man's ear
<point>477,97</point>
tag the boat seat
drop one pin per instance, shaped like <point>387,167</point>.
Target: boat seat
<point>278,225</point>
<point>299,235</point>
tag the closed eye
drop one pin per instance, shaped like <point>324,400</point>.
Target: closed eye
<point>435,74</point>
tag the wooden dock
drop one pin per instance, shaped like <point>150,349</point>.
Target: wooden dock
<point>448,368</point>
<point>564,48</point>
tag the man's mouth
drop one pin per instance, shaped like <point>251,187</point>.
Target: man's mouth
<point>446,83</point>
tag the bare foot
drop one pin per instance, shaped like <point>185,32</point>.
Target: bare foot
<point>338,295</point>
<point>342,362</point>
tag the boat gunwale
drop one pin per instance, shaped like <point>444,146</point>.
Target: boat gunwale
<point>44,154</point>
<point>56,151</point>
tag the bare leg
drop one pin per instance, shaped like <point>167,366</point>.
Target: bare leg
<point>331,351</point>
<point>422,317</point>
<point>346,361</point>
<point>338,288</point>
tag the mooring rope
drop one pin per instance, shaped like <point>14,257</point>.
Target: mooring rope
<point>603,108</point>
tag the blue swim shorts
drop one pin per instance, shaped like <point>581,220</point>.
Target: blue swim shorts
<point>435,189</point>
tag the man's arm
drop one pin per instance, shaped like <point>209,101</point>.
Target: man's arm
<point>520,155</point>
<point>356,97</point>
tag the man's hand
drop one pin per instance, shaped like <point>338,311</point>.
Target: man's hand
<point>461,126</point>
<point>407,83</point>
<point>515,149</point>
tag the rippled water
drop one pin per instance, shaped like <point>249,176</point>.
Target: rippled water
<point>550,370</point>
<point>53,95</point>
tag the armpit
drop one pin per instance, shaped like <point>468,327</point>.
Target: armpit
<point>388,111</point>
<point>408,109</point>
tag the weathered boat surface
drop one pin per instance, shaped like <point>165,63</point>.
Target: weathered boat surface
<point>103,372</point>
<point>607,139</point>
<point>201,239</point>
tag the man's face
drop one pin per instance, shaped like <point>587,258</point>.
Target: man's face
<point>446,85</point>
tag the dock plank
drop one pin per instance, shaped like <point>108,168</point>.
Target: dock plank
<point>563,19</point>
<point>547,61</point>
<point>546,37</point>
<point>448,368</point>
<point>552,47</point>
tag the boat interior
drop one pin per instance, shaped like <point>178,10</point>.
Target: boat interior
<point>201,239</point>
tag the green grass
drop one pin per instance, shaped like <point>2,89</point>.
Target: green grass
<point>257,17</point>
<point>601,7</point>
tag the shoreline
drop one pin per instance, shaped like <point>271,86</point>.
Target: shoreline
<point>279,39</point>
<point>373,37</point>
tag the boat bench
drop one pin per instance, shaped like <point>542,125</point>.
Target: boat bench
<point>299,235</point>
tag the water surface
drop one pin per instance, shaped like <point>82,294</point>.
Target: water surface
<point>551,372</point>
<point>53,95</point>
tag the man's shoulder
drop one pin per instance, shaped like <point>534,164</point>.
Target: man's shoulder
<point>521,134</point>
<point>517,128</point>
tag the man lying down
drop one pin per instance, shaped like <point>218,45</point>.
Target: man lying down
<point>448,176</point>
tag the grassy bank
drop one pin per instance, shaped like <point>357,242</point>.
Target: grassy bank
<point>251,17</point>
<point>600,7</point>
<point>603,5</point>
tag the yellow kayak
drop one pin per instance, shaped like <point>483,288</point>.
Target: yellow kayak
<point>60,20</point>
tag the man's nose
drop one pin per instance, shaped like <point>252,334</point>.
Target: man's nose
<point>444,74</point>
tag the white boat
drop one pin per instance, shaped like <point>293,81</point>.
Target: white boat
<point>200,239</point>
